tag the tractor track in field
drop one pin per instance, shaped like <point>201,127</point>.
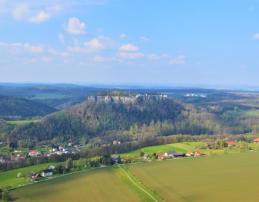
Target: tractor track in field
<point>139,187</point>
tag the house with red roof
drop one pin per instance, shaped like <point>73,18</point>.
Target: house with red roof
<point>160,156</point>
<point>256,140</point>
<point>189,154</point>
<point>230,143</point>
<point>197,153</point>
<point>34,154</point>
<point>116,142</point>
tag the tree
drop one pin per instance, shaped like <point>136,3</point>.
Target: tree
<point>5,195</point>
<point>69,163</point>
<point>59,169</point>
<point>141,153</point>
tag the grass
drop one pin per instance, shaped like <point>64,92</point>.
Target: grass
<point>104,184</point>
<point>9,178</point>
<point>178,147</point>
<point>231,177</point>
<point>253,113</point>
<point>23,121</point>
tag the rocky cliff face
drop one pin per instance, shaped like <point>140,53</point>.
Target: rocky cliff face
<point>124,99</point>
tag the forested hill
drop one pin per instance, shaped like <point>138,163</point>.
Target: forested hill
<point>15,108</point>
<point>100,123</point>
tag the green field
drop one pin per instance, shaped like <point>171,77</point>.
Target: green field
<point>9,178</point>
<point>23,121</point>
<point>43,96</point>
<point>230,177</point>
<point>178,147</point>
<point>105,184</point>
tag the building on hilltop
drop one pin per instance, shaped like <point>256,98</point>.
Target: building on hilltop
<point>124,99</point>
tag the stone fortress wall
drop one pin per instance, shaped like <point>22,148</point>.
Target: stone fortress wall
<point>124,99</point>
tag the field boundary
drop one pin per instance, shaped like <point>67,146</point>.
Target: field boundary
<point>137,185</point>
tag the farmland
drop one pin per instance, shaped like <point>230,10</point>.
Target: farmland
<point>104,184</point>
<point>234,176</point>
<point>184,179</point>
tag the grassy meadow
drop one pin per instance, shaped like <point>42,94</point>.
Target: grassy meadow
<point>9,178</point>
<point>230,177</point>
<point>178,147</point>
<point>23,121</point>
<point>104,184</point>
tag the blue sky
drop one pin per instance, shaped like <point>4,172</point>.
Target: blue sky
<point>138,42</point>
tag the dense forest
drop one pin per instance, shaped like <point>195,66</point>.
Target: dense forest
<point>100,123</point>
<point>17,108</point>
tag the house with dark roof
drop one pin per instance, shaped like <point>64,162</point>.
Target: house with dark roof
<point>179,154</point>
<point>47,173</point>
<point>171,153</point>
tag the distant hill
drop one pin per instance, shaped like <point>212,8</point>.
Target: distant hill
<point>101,122</point>
<point>19,108</point>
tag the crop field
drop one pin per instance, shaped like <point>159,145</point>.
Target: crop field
<point>9,178</point>
<point>105,184</point>
<point>230,177</point>
<point>178,147</point>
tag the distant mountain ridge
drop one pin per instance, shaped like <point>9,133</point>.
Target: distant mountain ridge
<point>19,108</point>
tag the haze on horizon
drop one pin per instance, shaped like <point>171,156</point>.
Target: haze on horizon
<point>144,42</point>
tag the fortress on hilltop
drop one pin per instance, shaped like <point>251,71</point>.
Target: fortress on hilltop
<point>125,99</point>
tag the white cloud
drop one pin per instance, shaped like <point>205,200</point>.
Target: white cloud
<point>143,38</point>
<point>123,36</point>
<point>157,57</point>
<point>106,59</point>
<point>20,48</point>
<point>33,49</point>
<point>128,47</point>
<point>40,17</point>
<point>94,44</point>
<point>178,60</point>
<point>61,38</point>
<point>76,27</point>
<point>256,36</point>
<point>46,59</point>
<point>21,11</point>
<point>127,55</point>
<point>54,52</point>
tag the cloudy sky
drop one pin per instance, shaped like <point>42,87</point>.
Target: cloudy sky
<point>131,41</point>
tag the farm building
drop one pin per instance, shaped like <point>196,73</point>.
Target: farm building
<point>197,153</point>
<point>179,154</point>
<point>146,156</point>
<point>46,173</point>
<point>172,153</point>
<point>256,140</point>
